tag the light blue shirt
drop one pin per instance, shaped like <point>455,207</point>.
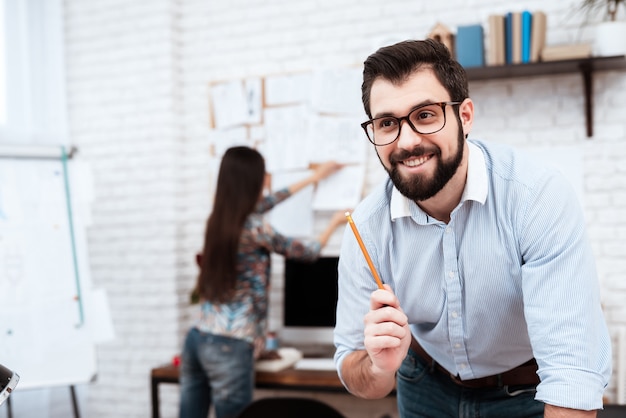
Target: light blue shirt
<point>511,276</point>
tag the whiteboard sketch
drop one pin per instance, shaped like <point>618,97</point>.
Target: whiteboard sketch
<point>43,329</point>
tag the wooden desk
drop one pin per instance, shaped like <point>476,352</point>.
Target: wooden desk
<point>288,379</point>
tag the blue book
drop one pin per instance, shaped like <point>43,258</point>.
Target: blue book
<point>527,20</point>
<point>508,37</point>
<point>470,48</point>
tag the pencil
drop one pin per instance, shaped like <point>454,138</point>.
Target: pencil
<point>364,250</point>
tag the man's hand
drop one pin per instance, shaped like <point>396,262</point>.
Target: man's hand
<point>372,373</point>
<point>387,334</point>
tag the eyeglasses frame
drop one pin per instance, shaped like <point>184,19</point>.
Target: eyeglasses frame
<point>365,124</point>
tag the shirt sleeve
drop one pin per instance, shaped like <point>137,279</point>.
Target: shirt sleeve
<point>274,241</point>
<point>260,235</point>
<point>268,202</point>
<point>355,285</point>
<point>561,292</point>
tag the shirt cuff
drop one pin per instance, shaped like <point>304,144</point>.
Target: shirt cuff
<point>567,388</point>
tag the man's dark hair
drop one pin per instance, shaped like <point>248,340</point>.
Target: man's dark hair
<point>397,62</point>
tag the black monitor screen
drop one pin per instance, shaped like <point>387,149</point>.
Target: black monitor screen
<point>310,297</point>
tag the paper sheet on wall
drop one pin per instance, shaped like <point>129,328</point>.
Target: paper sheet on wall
<point>229,104</point>
<point>253,89</point>
<point>342,190</point>
<point>336,138</point>
<point>222,139</point>
<point>337,90</point>
<point>288,89</point>
<point>294,216</point>
<point>286,138</point>
<point>237,102</point>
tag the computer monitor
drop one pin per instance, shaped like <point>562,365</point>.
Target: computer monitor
<point>309,302</point>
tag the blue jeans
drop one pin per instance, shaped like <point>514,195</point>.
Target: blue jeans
<point>215,369</point>
<point>424,391</point>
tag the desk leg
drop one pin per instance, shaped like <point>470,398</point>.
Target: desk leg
<point>154,386</point>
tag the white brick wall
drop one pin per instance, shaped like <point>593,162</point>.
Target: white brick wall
<point>125,91</point>
<point>138,75</point>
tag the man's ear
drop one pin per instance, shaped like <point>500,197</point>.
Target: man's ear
<point>466,113</point>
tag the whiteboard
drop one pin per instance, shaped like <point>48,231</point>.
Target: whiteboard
<point>44,335</point>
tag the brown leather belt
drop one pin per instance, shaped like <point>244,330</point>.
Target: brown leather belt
<point>525,374</point>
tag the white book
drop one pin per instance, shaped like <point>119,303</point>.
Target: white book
<point>288,357</point>
<point>316,364</point>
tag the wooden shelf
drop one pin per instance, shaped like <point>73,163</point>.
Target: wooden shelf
<point>585,66</point>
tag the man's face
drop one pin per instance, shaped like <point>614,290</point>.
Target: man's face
<point>419,165</point>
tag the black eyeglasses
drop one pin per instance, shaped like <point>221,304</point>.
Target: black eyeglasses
<point>425,119</point>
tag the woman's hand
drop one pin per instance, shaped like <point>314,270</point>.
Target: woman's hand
<point>259,346</point>
<point>339,218</point>
<point>326,169</point>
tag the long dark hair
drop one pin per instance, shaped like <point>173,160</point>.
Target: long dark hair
<point>239,185</point>
<point>397,62</point>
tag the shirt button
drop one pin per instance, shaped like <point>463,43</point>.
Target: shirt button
<point>454,314</point>
<point>451,274</point>
<point>457,345</point>
<point>448,230</point>
<point>463,366</point>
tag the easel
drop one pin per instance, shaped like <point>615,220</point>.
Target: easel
<point>74,404</point>
<point>52,153</point>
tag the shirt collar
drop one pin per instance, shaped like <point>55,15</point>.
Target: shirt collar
<point>475,185</point>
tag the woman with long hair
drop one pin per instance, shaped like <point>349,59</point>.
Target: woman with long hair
<point>217,362</point>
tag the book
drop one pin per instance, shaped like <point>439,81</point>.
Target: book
<point>538,35</point>
<point>496,54</point>
<point>565,52</point>
<point>315,364</point>
<point>508,37</point>
<point>516,37</point>
<point>469,47</point>
<point>526,39</point>
<point>287,357</point>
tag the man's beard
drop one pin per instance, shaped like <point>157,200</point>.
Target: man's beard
<point>418,188</point>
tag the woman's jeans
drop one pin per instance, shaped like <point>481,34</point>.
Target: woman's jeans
<point>425,391</point>
<point>215,369</point>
